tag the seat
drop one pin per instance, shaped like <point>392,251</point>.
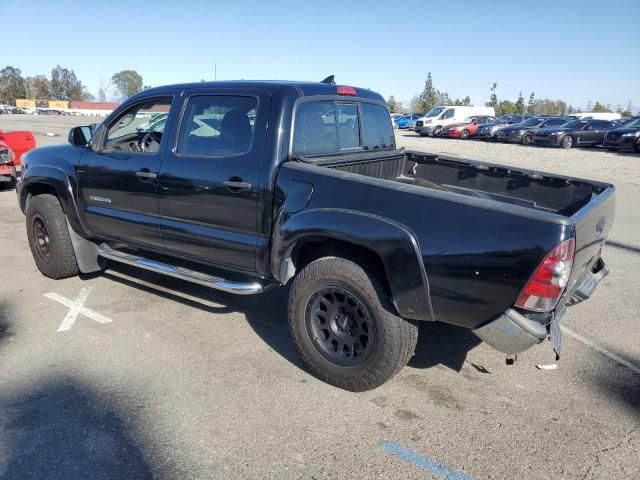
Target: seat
<point>235,131</point>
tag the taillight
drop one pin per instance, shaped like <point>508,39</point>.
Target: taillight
<point>347,91</point>
<point>545,287</point>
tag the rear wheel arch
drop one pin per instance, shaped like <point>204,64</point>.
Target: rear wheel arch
<point>387,249</point>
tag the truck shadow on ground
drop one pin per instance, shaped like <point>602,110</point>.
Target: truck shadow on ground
<point>62,430</point>
<point>266,314</point>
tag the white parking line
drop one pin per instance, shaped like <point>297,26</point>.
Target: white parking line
<point>76,308</point>
<point>598,348</point>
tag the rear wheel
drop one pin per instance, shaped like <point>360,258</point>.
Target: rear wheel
<point>49,238</point>
<point>343,325</point>
<point>464,134</point>
<point>527,139</point>
<point>566,142</point>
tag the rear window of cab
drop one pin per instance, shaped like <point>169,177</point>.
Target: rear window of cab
<point>336,127</point>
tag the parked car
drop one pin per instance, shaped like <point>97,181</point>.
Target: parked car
<point>523,132</point>
<point>7,166</point>
<point>490,130</point>
<point>626,137</point>
<point>466,129</point>
<point>596,116</point>
<point>295,201</point>
<point>439,117</point>
<point>19,142</point>
<point>577,133</point>
<point>403,122</point>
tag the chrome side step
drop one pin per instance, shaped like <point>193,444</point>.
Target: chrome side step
<point>106,251</point>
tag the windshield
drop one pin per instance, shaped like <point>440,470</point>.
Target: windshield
<point>435,111</point>
<point>469,120</point>
<point>503,118</point>
<point>634,124</point>
<point>531,122</point>
<point>575,124</point>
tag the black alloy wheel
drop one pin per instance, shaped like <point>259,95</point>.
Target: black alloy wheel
<point>340,326</point>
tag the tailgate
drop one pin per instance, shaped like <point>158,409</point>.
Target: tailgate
<point>592,225</point>
<point>19,142</point>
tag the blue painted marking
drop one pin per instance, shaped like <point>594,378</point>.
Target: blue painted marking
<point>423,462</point>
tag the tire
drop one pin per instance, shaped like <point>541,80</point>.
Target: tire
<point>436,131</point>
<point>566,142</point>
<point>527,139</point>
<point>464,134</point>
<point>49,238</point>
<point>346,289</point>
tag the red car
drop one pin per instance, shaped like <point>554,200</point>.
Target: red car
<point>466,129</point>
<point>12,146</point>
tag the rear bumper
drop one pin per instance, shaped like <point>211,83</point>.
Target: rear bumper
<point>512,332</point>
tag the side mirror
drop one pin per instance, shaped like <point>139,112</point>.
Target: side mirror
<point>80,136</point>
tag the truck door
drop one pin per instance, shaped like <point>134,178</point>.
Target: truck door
<point>209,179</point>
<point>117,176</point>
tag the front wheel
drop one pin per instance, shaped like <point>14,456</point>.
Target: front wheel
<point>49,238</point>
<point>464,134</point>
<point>344,326</point>
<point>527,139</point>
<point>567,142</point>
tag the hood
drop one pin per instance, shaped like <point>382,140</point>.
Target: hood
<point>623,130</point>
<point>517,127</point>
<point>454,125</point>
<point>550,130</point>
<point>62,157</point>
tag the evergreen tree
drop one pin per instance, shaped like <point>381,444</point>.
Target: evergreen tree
<point>519,105</point>
<point>391,103</point>
<point>428,98</point>
<point>531,104</point>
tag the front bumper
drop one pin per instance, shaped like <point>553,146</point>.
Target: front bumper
<point>486,134</point>
<point>450,133</point>
<point>513,332</point>
<point>424,129</point>
<point>621,142</point>
<point>515,137</point>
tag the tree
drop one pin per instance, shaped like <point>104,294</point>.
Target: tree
<point>12,85</point>
<point>531,104</point>
<point>519,105</point>
<point>415,104</point>
<point>466,101</point>
<point>505,107</point>
<point>127,83</point>
<point>493,99</point>
<point>64,85</point>
<point>102,96</point>
<point>428,98</point>
<point>598,107</point>
<point>37,87</point>
<point>391,103</point>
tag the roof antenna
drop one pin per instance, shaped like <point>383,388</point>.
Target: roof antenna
<point>329,80</point>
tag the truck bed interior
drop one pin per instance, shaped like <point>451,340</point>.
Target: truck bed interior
<point>551,193</point>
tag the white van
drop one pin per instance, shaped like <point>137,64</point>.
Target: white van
<point>596,116</point>
<point>438,117</point>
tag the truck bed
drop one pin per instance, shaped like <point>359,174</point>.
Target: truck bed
<point>551,193</point>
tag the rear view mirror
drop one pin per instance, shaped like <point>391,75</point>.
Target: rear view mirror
<point>80,136</point>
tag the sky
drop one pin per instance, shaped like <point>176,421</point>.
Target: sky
<point>577,51</point>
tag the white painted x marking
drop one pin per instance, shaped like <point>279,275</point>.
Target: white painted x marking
<point>76,308</point>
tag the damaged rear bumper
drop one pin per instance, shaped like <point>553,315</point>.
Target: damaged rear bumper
<point>512,332</point>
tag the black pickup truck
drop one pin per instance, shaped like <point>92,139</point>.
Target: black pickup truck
<point>244,186</point>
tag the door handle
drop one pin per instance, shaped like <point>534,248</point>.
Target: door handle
<point>146,175</point>
<point>236,185</point>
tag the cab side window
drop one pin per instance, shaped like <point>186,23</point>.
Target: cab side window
<point>139,128</point>
<point>448,113</point>
<point>217,125</point>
